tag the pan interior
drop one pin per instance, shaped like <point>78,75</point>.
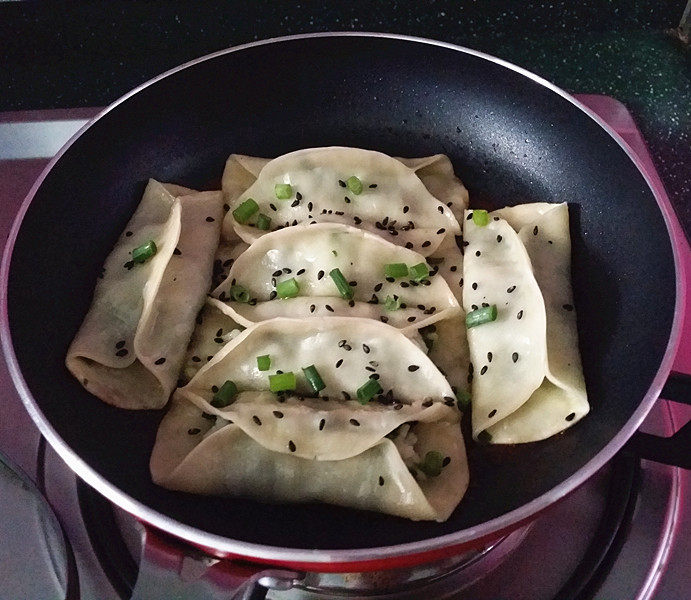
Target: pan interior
<point>511,140</point>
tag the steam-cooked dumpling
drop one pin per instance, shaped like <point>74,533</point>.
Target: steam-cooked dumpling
<point>308,254</point>
<point>325,448</point>
<point>393,201</point>
<point>527,377</point>
<point>130,347</point>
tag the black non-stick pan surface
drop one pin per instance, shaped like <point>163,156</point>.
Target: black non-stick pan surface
<point>511,139</point>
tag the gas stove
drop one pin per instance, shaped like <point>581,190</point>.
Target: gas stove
<point>623,535</point>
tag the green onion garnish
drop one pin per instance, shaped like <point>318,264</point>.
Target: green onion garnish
<point>282,382</point>
<point>343,286</point>
<point>463,400</point>
<point>354,185</point>
<point>288,288</point>
<point>392,304</point>
<point>368,391</point>
<point>432,464</point>
<point>396,270</point>
<point>483,315</point>
<point>239,293</point>
<point>264,362</point>
<point>224,396</point>
<point>419,272</point>
<point>312,375</point>
<point>480,217</point>
<point>245,210</point>
<point>283,191</point>
<point>263,222</point>
<point>144,252</point>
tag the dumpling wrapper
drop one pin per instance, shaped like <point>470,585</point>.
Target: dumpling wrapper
<point>336,444</point>
<point>130,347</point>
<point>193,455</point>
<point>212,331</point>
<point>533,387</point>
<point>308,253</point>
<point>399,198</point>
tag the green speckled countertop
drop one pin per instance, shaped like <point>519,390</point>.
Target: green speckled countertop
<point>88,54</point>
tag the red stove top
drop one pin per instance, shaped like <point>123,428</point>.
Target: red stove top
<point>624,535</point>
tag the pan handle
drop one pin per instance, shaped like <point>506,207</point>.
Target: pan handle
<point>673,450</point>
<point>169,569</point>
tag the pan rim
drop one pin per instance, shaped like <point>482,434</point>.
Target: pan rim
<point>295,556</point>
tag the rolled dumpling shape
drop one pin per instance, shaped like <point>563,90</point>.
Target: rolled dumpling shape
<point>527,379</point>
<point>309,255</point>
<point>353,186</point>
<point>298,446</point>
<point>130,347</point>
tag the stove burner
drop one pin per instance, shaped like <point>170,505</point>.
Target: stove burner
<point>442,579</point>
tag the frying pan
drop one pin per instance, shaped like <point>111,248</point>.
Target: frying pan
<point>512,138</point>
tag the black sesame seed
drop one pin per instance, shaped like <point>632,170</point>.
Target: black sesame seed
<point>469,217</point>
<point>279,372</point>
<point>129,264</point>
<point>340,213</point>
<point>403,305</point>
<point>474,286</point>
<point>409,245</point>
<point>320,275</point>
<point>287,270</point>
<point>272,206</point>
<point>341,183</point>
<point>177,252</point>
<point>440,231</point>
<point>568,307</point>
<point>478,253</point>
<point>499,238</point>
<point>256,419</point>
<point>219,332</point>
<point>365,348</point>
<point>226,207</point>
<point>122,352</point>
<point>411,319</point>
<point>312,307</point>
<point>449,401</point>
<point>342,343</point>
<point>347,347</point>
<point>355,422</point>
<point>370,369</point>
<point>277,273</point>
<point>346,395</point>
<point>214,388</point>
<point>446,461</point>
<point>406,209</point>
<point>485,304</point>
<point>294,203</point>
<point>357,220</point>
<point>413,368</point>
<point>390,279</point>
<point>310,206</point>
<point>384,319</point>
<point>327,307</point>
<point>321,424</point>
<point>160,361</point>
<point>128,233</point>
<point>405,284</point>
<point>453,268</point>
<point>519,316</point>
<point>372,185</point>
<point>381,479</point>
<point>550,242</point>
<point>298,195</point>
<point>352,283</point>
<point>196,359</point>
<point>119,344</point>
<point>378,287</point>
<point>496,218</point>
<point>291,446</point>
<point>218,340</point>
<point>351,303</point>
<point>440,209</point>
<point>483,370</point>
<point>252,301</point>
<point>427,403</point>
<point>339,362</point>
<point>535,230</point>
<point>278,414</point>
<point>373,299</point>
<point>514,356</point>
<point>194,431</point>
<point>570,416</point>
<point>210,219</point>
<point>208,358</point>
<point>473,306</point>
<point>374,376</point>
<point>489,356</point>
<point>272,295</point>
<point>426,244</point>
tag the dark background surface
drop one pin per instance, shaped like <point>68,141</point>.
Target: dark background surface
<point>55,55</point>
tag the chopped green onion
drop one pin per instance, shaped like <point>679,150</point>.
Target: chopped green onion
<point>239,293</point>
<point>354,185</point>
<point>263,222</point>
<point>288,288</point>
<point>282,382</point>
<point>484,437</point>
<point>343,286</point>
<point>483,315</point>
<point>480,217</point>
<point>392,304</point>
<point>283,191</point>
<point>245,210</point>
<point>368,391</point>
<point>419,272</point>
<point>144,252</point>
<point>312,375</point>
<point>433,464</point>
<point>264,362</point>
<point>396,270</point>
<point>463,400</point>
<point>224,396</point>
